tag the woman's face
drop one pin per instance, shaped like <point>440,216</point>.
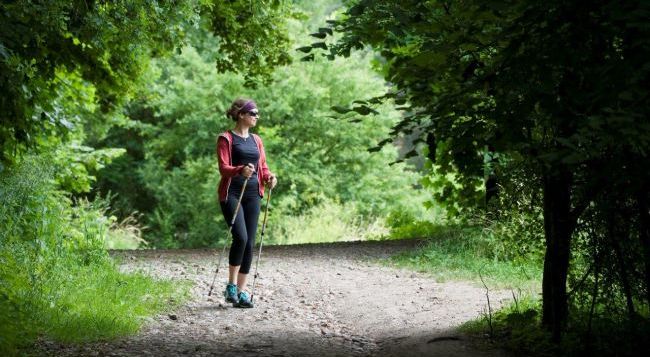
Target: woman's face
<point>249,118</point>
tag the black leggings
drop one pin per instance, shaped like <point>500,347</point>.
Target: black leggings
<point>244,229</point>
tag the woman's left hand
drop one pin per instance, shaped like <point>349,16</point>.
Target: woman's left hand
<point>272,180</point>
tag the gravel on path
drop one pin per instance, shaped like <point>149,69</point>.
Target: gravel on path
<point>334,299</point>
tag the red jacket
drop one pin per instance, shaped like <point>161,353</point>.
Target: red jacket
<point>224,148</point>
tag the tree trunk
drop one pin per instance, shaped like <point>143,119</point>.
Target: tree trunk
<point>558,229</point>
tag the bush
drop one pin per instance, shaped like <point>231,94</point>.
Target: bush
<point>518,328</point>
<point>327,222</point>
<point>125,234</point>
<point>56,279</point>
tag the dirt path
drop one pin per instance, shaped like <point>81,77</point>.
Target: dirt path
<point>312,300</point>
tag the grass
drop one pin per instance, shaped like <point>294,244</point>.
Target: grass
<point>517,328</point>
<point>100,303</point>
<point>57,281</point>
<point>467,253</point>
<point>126,234</point>
<point>327,222</point>
<point>76,303</point>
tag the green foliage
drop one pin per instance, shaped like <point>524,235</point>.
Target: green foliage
<point>187,210</point>
<point>108,44</point>
<point>76,162</point>
<point>407,222</point>
<point>322,157</point>
<point>170,163</point>
<point>239,25</point>
<point>447,191</point>
<point>55,277</point>
<point>171,166</point>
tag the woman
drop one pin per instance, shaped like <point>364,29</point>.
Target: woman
<point>241,155</point>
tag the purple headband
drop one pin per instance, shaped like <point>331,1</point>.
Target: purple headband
<point>248,106</point>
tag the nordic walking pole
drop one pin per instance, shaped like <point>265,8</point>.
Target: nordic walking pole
<point>232,223</point>
<point>266,211</point>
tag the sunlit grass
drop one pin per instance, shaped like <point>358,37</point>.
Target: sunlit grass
<point>100,303</point>
<point>126,234</point>
<point>465,253</point>
<point>325,223</point>
<point>57,281</point>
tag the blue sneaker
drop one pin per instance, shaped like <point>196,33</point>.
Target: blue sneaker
<point>231,293</point>
<point>244,300</point>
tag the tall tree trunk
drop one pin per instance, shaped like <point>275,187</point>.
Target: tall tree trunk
<point>558,229</point>
<point>644,234</point>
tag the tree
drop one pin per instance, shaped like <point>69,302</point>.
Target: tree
<point>170,165</point>
<point>108,44</point>
<point>558,87</point>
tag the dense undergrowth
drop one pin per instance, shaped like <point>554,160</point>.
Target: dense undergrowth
<point>517,328</point>
<point>56,279</point>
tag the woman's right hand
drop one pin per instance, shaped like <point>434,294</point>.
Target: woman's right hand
<point>248,170</point>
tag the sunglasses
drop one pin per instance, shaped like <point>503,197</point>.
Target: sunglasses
<point>254,114</point>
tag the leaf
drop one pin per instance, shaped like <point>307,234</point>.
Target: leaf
<point>67,124</point>
<point>364,110</point>
<point>307,58</point>
<point>326,30</point>
<point>340,109</point>
<point>319,45</point>
<point>384,142</point>
<point>356,10</point>
<point>305,49</point>
<point>429,59</point>
<point>377,100</point>
<point>318,35</point>
<point>411,154</point>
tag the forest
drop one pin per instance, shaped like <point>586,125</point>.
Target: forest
<point>512,137</point>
